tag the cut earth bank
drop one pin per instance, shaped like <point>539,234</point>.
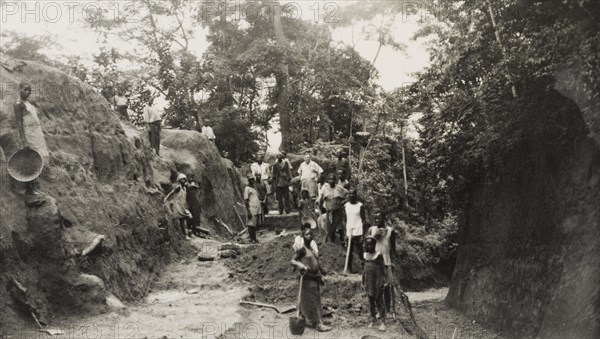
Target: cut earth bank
<point>102,184</point>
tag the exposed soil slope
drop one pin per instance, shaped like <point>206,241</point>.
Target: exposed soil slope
<point>101,179</point>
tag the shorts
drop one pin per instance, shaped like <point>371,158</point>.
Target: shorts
<point>252,222</point>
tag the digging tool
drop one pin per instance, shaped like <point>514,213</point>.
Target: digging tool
<point>278,309</point>
<point>238,215</point>
<point>297,324</point>
<point>224,225</point>
<point>347,255</point>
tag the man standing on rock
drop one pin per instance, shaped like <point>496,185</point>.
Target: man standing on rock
<point>208,132</point>
<point>386,245</point>
<point>253,208</point>
<point>152,119</point>
<point>281,183</point>
<point>309,172</point>
<point>176,202</point>
<point>120,102</point>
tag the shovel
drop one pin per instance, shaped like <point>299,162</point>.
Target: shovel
<point>349,243</point>
<point>278,309</point>
<point>296,323</point>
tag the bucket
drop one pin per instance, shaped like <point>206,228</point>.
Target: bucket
<point>297,325</point>
<point>25,165</point>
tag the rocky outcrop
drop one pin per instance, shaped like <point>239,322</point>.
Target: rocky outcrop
<point>102,179</point>
<point>529,255</point>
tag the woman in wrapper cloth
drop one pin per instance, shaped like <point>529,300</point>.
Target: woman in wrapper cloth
<point>306,261</point>
<point>30,130</point>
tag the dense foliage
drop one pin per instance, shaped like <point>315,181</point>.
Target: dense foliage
<point>494,64</point>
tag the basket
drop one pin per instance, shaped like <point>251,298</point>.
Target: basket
<point>25,165</point>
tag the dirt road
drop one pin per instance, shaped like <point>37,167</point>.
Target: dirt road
<point>194,299</point>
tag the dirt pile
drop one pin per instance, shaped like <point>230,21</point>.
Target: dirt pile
<point>101,179</point>
<point>529,256</point>
<point>267,267</point>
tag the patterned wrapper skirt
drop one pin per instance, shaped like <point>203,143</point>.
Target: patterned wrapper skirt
<point>310,301</point>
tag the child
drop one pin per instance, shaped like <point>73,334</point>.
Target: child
<point>305,206</point>
<point>262,196</point>
<point>253,208</point>
<point>372,281</point>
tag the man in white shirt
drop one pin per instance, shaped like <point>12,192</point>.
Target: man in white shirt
<point>309,172</point>
<point>355,225</point>
<point>152,119</point>
<point>207,131</point>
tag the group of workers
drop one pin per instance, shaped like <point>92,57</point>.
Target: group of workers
<point>334,210</point>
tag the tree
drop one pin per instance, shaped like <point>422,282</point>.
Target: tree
<point>472,119</point>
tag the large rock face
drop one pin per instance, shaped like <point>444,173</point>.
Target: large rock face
<point>529,257</point>
<point>101,179</point>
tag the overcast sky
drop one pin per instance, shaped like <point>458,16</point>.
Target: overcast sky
<point>63,20</point>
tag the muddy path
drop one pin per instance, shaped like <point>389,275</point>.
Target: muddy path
<point>195,299</point>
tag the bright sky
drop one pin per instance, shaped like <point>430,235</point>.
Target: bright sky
<point>63,20</point>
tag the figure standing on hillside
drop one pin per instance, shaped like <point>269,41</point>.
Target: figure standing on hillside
<point>262,196</point>
<point>296,189</point>
<point>208,132</point>
<point>306,207</point>
<point>373,281</point>
<point>253,208</point>
<point>386,245</point>
<point>193,202</point>
<point>342,180</point>
<point>152,119</point>
<point>331,201</point>
<point>288,162</point>
<point>355,222</point>
<point>30,129</point>
<point>176,202</point>
<point>121,103</point>
<point>343,163</point>
<point>307,262</point>
<point>309,172</point>
<point>262,168</point>
<point>281,183</point>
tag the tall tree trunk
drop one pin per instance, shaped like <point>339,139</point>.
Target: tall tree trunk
<point>502,48</point>
<point>404,165</point>
<point>282,79</point>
